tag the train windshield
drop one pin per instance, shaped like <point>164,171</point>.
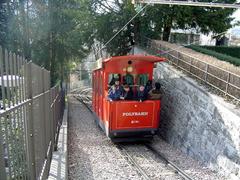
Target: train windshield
<point>130,79</point>
<point>142,79</point>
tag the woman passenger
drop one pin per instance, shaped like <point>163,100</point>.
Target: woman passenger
<point>114,93</point>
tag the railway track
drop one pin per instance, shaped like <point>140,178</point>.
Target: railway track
<point>84,97</point>
<point>169,168</point>
<point>133,162</point>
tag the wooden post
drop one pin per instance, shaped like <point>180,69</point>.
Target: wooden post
<point>227,84</point>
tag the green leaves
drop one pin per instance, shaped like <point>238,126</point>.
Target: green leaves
<point>55,33</point>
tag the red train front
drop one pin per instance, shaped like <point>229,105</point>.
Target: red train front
<point>125,118</point>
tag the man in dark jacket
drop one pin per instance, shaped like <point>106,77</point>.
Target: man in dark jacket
<point>141,94</point>
<point>148,86</point>
<point>127,93</point>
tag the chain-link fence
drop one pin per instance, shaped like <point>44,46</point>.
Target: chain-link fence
<point>30,116</point>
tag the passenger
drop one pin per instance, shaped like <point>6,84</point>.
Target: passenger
<point>118,86</point>
<point>112,81</point>
<point>127,93</point>
<point>114,94</point>
<point>156,93</point>
<point>141,94</point>
<point>148,86</point>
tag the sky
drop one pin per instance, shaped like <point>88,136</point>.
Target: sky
<point>236,15</point>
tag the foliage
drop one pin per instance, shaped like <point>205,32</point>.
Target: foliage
<point>54,33</point>
<point>50,32</point>
<point>154,22</point>
<point>218,55</point>
<point>233,51</point>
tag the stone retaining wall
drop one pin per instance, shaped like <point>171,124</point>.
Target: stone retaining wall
<point>202,125</point>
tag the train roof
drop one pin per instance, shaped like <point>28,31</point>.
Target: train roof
<point>152,59</point>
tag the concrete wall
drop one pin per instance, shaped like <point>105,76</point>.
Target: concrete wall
<point>201,124</point>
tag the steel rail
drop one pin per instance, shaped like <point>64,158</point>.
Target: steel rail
<point>80,98</point>
<point>168,162</point>
<point>190,3</point>
<point>131,160</point>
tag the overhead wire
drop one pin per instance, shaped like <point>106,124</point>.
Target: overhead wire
<point>115,35</point>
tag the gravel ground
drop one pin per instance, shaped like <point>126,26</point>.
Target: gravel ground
<point>192,167</point>
<point>91,155</point>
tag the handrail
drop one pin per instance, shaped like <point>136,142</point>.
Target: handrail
<point>195,58</point>
<point>225,82</point>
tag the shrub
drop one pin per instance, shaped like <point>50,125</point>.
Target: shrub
<point>231,51</point>
<point>218,55</point>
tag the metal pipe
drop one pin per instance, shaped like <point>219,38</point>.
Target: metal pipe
<point>190,3</point>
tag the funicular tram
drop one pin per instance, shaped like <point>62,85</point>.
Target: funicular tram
<point>124,119</point>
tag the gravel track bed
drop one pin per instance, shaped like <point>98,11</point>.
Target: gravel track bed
<point>152,165</point>
<point>91,155</point>
<point>192,167</point>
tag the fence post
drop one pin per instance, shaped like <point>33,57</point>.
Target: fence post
<point>190,68</point>
<point>29,127</point>
<point>206,71</point>
<point>51,119</point>
<point>44,112</point>
<point>178,58</point>
<point>227,84</point>
<point>2,161</point>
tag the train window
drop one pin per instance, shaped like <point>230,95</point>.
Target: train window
<point>112,77</point>
<point>142,79</point>
<point>128,79</point>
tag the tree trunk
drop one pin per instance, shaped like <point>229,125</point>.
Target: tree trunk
<point>52,43</point>
<point>168,25</point>
<point>166,32</point>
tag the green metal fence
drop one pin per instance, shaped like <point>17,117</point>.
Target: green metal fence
<point>30,116</point>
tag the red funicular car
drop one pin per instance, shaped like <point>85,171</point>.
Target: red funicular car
<point>124,119</point>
